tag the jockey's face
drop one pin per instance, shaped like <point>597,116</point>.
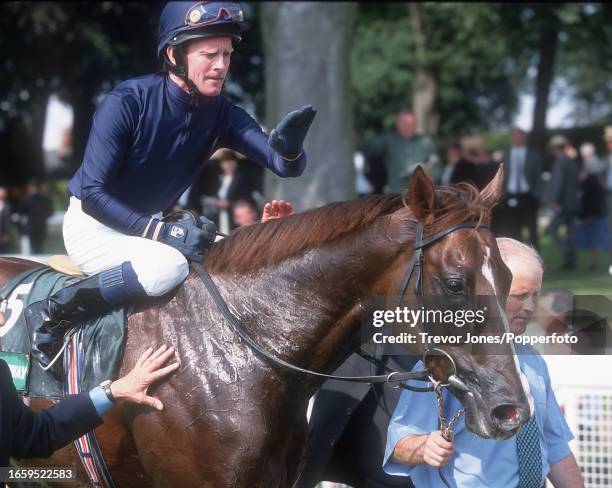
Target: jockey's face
<point>208,60</point>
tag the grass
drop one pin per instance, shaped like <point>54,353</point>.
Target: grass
<point>581,280</point>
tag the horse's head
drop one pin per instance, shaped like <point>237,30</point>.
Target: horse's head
<point>458,269</point>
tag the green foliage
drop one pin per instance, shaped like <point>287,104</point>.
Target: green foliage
<point>381,72</point>
<point>471,64</point>
<point>585,59</point>
<point>80,51</point>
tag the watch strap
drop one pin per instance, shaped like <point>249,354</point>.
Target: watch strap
<point>105,385</point>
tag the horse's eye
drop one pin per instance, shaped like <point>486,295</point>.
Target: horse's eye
<point>454,286</point>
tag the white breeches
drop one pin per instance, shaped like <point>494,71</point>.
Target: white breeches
<point>94,247</point>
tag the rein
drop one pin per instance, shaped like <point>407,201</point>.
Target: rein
<point>394,376</point>
<point>239,330</point>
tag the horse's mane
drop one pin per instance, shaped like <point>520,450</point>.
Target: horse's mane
<point>256,246</point>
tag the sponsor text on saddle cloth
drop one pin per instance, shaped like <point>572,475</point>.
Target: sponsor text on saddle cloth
<point>103,337</point>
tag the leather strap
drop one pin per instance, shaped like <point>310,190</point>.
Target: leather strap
<point>393,377</point>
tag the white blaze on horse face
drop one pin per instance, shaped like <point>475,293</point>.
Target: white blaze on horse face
<point>488,275</point>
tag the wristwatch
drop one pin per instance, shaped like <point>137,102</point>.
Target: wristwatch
<point>105,385</point>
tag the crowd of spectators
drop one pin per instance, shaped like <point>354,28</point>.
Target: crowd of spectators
<point>24,213</point>
<point>574,196</point>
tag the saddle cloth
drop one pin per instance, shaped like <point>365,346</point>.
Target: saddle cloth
<point>103,337</point>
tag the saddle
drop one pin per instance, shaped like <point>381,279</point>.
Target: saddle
<point>63,264</point>
<point>100,340</point>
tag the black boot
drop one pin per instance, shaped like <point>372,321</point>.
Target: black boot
<point>48,320</point>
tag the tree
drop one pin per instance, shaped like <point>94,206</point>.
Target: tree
<point>306,49</point>
<point>442,58</point>
<point>81,50</point>
<point>425,85</point>
<point>585,60</point>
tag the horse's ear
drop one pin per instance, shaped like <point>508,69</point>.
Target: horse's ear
<point>421,196</point>
<point>491,194</point>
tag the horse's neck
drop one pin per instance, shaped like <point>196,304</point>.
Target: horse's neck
<point>305,308</point>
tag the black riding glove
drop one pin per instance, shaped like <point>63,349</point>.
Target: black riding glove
<point>190,238</point>
<point>288,136</point>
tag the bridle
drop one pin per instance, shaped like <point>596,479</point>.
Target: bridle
<point>394,377</point>
<point>416,266</point>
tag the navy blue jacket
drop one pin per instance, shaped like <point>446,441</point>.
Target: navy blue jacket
<point>28,434</point>
<point>147,145</point>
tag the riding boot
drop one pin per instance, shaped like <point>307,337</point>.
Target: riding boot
<point>48,320</point>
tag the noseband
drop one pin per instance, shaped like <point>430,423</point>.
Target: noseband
<point>393,377</point>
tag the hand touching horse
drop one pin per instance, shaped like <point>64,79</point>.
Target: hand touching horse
<point>232,418</point>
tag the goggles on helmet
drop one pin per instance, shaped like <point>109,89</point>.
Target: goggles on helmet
<point>205,13</point>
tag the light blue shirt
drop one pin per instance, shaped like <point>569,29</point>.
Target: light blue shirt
<point>101,402</point>
<point>478,462</point>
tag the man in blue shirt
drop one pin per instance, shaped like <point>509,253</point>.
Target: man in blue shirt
<point>415,446</point>
<point>149,139</point>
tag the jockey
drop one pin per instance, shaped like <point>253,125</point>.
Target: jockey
<point>149,140</point>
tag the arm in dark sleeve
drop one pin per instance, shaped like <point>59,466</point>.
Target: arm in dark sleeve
<point>374,147</point>
<point>245,136</point>
<point>111,134</point>
<point>39,434</point>
<point>537,169</point>
<point>556,181</point>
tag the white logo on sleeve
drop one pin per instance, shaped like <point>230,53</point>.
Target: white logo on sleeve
<point>177,232</point>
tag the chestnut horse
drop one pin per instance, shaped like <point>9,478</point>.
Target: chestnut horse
<point>234,419</point>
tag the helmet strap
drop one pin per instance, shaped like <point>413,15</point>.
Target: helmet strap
<point>180,69</point>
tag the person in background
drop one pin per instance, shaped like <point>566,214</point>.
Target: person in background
<point>564,199</point>
<point>540,450</point>
<point>29,434</point>
<point>362,186</point>
<point>244,212</point>
<point>522,188</point>
<point>608,179</point>
<point>402,151</point>
<point>35,209</point>
<point>453,157</point>
<point>592,232</point>
<point>233,186</point>
<point>476,165</point>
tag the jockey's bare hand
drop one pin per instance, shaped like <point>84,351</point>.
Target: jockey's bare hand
<point>437,450</point>
<point>276,209</point>
<point>147,370</point>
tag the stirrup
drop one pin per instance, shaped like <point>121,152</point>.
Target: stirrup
<point>67,336</point>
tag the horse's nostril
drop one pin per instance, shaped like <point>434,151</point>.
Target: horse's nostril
<point>506,416</point>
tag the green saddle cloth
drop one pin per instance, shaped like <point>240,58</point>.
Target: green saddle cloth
<point>103,337</point>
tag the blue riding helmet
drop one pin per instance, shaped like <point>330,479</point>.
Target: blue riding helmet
<point>182,21</point>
